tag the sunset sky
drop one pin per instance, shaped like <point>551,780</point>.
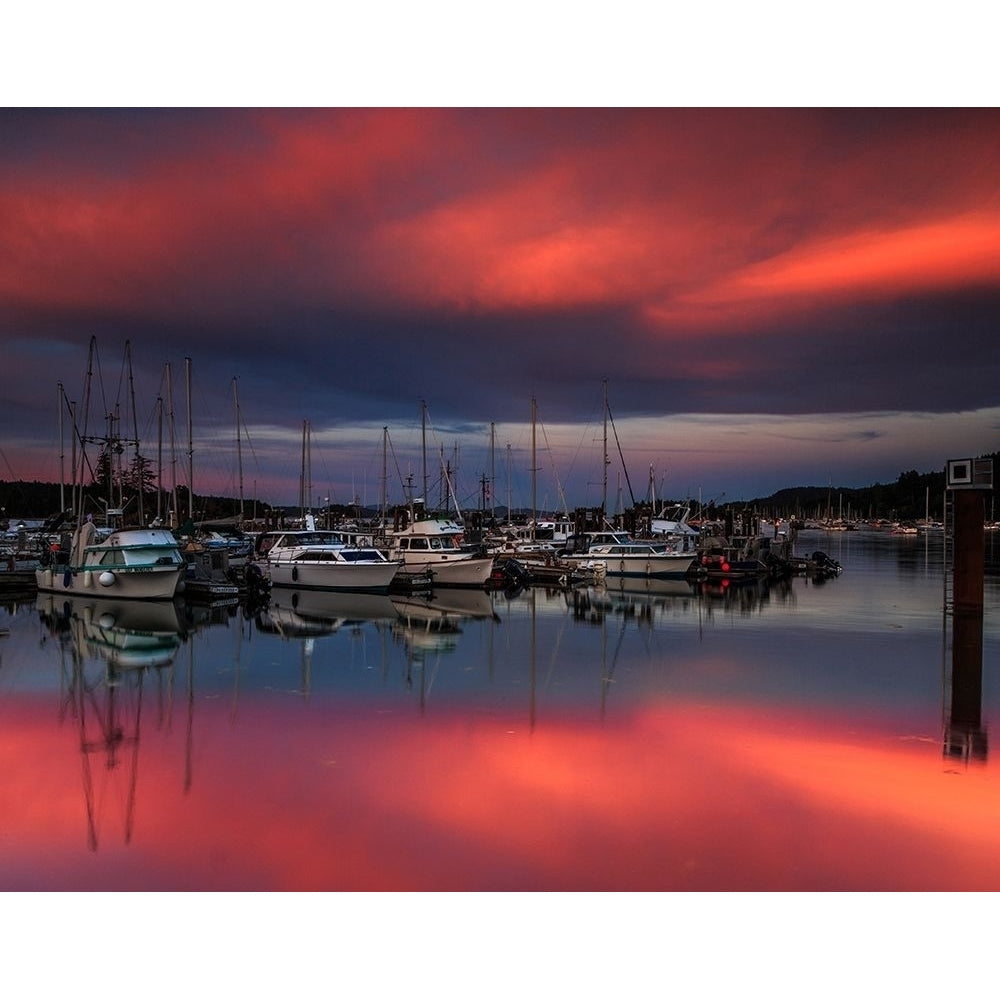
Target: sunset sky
<point>775,297</point>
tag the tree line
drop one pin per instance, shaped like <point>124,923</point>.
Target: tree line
<point>906,499</point>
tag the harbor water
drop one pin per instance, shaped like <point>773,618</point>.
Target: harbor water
<point>793,735</point>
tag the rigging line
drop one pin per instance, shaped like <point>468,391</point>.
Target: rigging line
<point>3,455</point>
<point>587,437</point>
<point>628,482</point>
<point>608,677</point>
<point>562,495</point>
<point>444,478</point>
<point>395,462</point>
<point>100,376</point>
<point>246,431</point>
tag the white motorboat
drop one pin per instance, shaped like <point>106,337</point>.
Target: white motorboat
<point>616,553</point>
<point>434,545</point>
<point>322,559</point>
<point>672,521</point>
<point>141,563</point>
<point>640,559</point>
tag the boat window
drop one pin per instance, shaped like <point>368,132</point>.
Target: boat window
<point>362,555</point>
<point>418,543</point>
<point>436,543</point>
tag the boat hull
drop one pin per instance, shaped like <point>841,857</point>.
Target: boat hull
<point>153,583</point>
<point>135,563</point>
<point>474,572</point>
<point>366,577</point>
<point>655,568</point>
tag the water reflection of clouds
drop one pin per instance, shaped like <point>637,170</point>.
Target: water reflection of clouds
<point>676,796</point>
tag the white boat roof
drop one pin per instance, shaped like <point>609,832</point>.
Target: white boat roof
<point>431,526</point>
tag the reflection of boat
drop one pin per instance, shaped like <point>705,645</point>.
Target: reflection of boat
<point>445,603</point>
<point>299,613</point>
<point>651,587</point>
<point>331,608</point>
<point>431,621</point>
<point>126,638</point>
<point>631,595</point>
<point>343,606</point>
<point>126,634</point>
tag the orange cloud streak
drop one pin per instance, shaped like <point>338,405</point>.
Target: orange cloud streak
<point>954,253</point>
<point>691,219</point>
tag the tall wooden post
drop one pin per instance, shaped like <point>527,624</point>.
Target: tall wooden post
<point>967,481</point>
<point>970,551</point>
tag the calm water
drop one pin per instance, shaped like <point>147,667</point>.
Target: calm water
<point>798,737</point>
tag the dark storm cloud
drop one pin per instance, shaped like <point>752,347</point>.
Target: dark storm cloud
<point>345,265</point>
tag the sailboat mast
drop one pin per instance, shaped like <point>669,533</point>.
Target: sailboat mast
<point>445,479</point>
<point>302,473</point>
<point>174,513</point>
<point>72,460</point>
<point>187,380</point>
<point>62,452</point>
<point>508,484</point>
<point>493,472</point>
<point>239,447</point>
<point>385,476</point>
<point>423,441</point>
<point>604,486</point>
<point>159,459</point>
<point>78,484</point>
<point>137,458</point>
<point>534,470</point>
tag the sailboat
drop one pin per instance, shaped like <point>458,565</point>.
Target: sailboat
<point>119,562</point>
<point>429,545</point>
<point>434,545</point>
<point>317,558</point>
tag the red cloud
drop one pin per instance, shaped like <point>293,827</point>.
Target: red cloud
<point>686,217</point>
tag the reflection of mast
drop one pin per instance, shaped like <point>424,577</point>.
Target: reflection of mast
<point>533,706</point>
<point>607,673</point>
<point>189,735</point>
<point>131,637</point>
<point>111,740</point>
<point>307,653</point>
